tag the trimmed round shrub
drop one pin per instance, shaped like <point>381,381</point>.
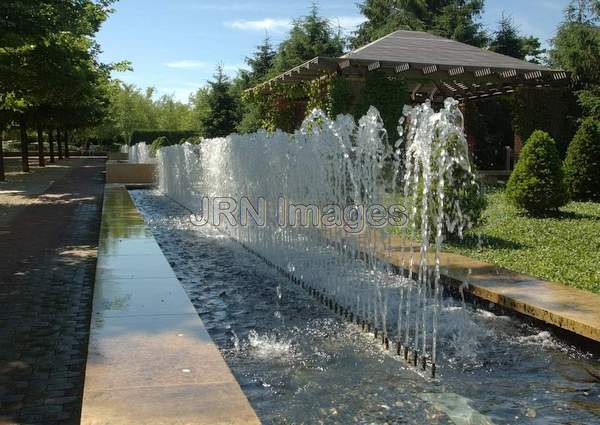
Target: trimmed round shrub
<point>159,142</point>
<point>582,165</point>
<point>537,182</point>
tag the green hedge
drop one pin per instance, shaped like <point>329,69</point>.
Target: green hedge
<point>173,136</point>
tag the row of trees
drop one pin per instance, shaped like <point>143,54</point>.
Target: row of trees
<point>575,49</point>
<point>131,108</point>
<point>51,81</point>
<point>73,90</point>
<point>218,109</point>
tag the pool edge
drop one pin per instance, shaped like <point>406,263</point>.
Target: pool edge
<point>150,359</point>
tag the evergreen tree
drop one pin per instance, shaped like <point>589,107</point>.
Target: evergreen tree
<point>582,165</point>
<point>223,109</point>
<point>457,20</point>
<point>262,60</point>
<point>508,41</point>
<point>310,36</point>
<point>454,19</point>
<point>537,182</point>
<point>576,48</point>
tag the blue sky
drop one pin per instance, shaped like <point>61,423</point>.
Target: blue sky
<point>174,45</point>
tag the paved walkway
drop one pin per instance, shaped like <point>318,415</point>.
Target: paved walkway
<point>48,249</point>
<point>23,189</point>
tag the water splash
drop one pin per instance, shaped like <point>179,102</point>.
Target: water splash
<point>140,154</point>
<point>329,163</point>
<point>268,347</point>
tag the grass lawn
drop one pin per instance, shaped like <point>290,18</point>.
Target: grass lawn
<point>564,249</point>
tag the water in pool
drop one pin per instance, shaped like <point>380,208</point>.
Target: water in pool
<point>299,363</point>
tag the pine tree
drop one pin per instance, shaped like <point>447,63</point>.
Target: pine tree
<point>223,109</point>
<point>582,165</point>
<point>576,48</point>
<point>507,40</point>
<point>310,36</point>
<point>454,19</point>
<point>262,61</point>
<point>537,182</point>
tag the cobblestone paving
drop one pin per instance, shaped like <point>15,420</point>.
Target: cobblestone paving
<point>46,283</point>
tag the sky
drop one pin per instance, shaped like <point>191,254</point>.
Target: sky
<point>175,45</point>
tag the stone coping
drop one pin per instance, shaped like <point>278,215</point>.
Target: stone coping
<point>570,309</point>
<point>150,359</point>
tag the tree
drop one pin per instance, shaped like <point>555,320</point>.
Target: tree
<point>310,36</point>
<point>506,40</point>
<point>532,48</point>
<point>576,48</point>
<point>131,108</point>
<point>49,71</point>
<point>454,19</point>
<point>200,107</point>
<point>261,61</point>
<point>223,109</point>
<point>173,115</point>
<point>537,182</point>
<point>582,165</point>
<point>27,22</point>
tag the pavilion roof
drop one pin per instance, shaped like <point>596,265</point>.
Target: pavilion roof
<point>436,65</point>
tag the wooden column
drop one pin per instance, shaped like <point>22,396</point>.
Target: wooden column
<point>517,146</point>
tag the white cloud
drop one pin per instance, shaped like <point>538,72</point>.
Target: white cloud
<point>270,24</point>
<point>347,23</point>
<point>187,64</point>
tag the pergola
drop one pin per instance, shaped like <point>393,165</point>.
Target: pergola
<point>433,67</point>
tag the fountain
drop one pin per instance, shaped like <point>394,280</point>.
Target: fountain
<point>319,206</point>
<point>310,193</point>
<point>139,154</point>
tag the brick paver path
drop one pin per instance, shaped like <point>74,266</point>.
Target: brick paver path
<point>47,264</point>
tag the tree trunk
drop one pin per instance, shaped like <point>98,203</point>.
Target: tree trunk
<point>24,147</point>
<point>59,144</point>
<point>66,137</point>
<point>51,145</point>
<point>40,143</point>
<point>2,177</point>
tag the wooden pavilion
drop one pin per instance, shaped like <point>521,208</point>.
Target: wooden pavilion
<point>433,68</point>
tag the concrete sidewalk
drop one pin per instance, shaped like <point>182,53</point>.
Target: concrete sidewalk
<point>48,244</point>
